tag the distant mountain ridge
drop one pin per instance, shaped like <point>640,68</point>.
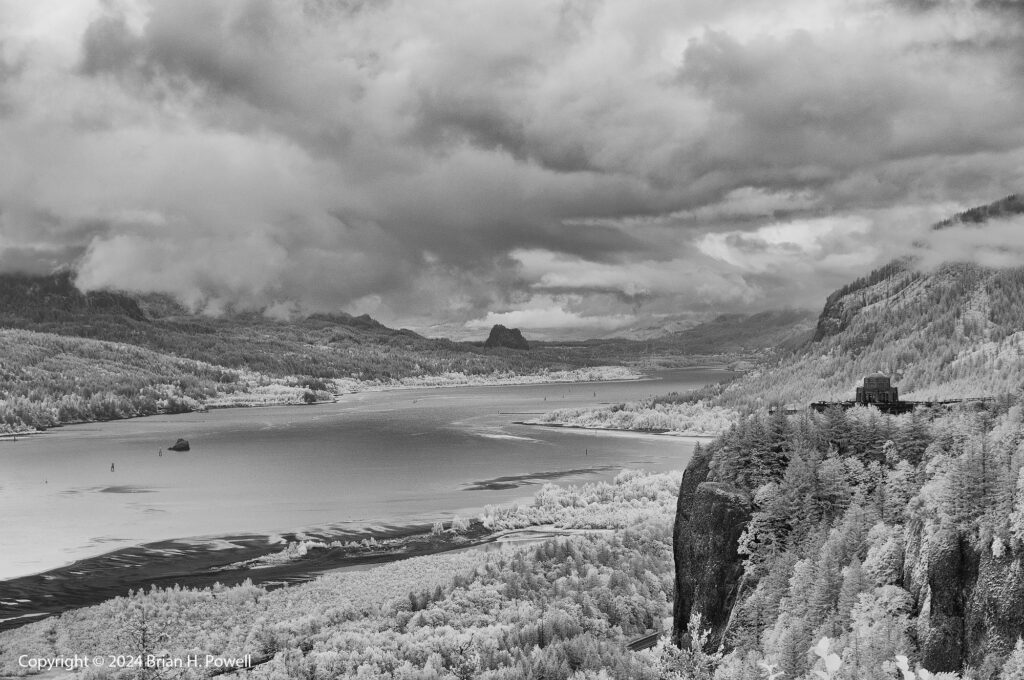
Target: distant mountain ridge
<point>739,332</point>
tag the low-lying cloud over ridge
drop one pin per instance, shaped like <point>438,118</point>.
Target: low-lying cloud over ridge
<point>578,164</point>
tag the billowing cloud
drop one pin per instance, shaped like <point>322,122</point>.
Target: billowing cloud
<point>543,315</point>
<point>999,243</point>
<point>578,164</point>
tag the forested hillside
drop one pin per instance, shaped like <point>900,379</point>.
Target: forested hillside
<point>955,332</point>
<point>785,328</point>
<point>727,337</point>
<point>48,379</point>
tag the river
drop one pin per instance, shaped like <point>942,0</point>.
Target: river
<point>369,462</point>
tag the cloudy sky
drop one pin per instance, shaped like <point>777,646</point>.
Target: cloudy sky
<point>569,167</point>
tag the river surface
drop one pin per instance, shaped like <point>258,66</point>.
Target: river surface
<point>369,460</point>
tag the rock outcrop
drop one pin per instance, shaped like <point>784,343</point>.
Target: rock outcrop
<point>968,600</point>
<point>506,337</point>
<point>180,445</point>
<point>995,616</point>
<point>948,568</point>
<point>710,516</point>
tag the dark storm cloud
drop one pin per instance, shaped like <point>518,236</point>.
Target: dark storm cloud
<point>792,105</point>
<point>108,46</point>
<point>574,163</point>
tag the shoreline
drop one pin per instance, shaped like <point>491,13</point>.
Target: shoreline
<point>530,379</point>
<point>644,433</point>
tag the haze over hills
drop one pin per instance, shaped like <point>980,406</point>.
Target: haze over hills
<point>70,356</point>
<point>721,332</point>
<point>67,356</point>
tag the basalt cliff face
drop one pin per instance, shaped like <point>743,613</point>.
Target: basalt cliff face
<point>710,516</point>
<point>969,603</point>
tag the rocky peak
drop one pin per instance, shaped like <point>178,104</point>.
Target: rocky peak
<point>506,337</point>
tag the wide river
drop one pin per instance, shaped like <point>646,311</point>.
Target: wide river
<point>369,460</point>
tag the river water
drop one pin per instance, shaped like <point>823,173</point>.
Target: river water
<point>368,460</point>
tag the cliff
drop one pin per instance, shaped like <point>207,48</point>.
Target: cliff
<point>969,602</point>
<point>710,516</point>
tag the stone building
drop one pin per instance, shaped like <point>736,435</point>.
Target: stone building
<point>877,389</point>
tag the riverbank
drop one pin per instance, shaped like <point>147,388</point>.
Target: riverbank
<point>266,392</point>
<point>283,394</point>
<point>695,419</point>
<point>697,436</point>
